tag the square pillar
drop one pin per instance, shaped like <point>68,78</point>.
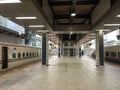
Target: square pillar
<point>100,48</point>
<point>44,49</point>
<point>97,49</point>
<point>59,50</point>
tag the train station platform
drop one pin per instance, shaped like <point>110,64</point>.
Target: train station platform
<point>65,73</point>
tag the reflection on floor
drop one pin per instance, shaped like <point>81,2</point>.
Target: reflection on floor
<point>65,73</point>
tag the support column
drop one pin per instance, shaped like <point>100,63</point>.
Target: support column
<point>100,48</point>
<point>80,52</point>
<point>59,50</point>
<point>27,38</point>
<point>62,49</point>
<point>44,49</point>
<point>97,49</point>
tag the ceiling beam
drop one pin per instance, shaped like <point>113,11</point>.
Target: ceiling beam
<point>66,3</point>
<point>70,23</point>
<point>68,16</point>
<point>75,32</point>
<point>72,28</point>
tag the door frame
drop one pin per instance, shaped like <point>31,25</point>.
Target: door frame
<point>4,57</point>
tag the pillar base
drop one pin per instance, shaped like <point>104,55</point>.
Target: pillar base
<point>97,64</point>
<point>47,64</point>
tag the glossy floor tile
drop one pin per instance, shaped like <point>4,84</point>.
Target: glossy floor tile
<point>65,73</point>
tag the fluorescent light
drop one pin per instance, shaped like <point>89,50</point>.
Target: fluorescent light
<point>36,25</point>
<point>10,1</point>
<point>52,37</point>
<point>111,24</point>
<point>103,30</point>
<point>90,37</point>
<point>50,34</point>
<point>42,31</point>
<point>26,17</point>
<point>73,14</point>
<point>118,16</point>
<point>71,33</point>
<point>106,30</point>
<point>92,34</point>
<point>87,38</point>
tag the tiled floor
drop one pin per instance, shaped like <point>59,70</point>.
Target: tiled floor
<point>65,73</point>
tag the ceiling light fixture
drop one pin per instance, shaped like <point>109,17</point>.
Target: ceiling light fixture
<point>52,37</point>
<point>90,37</point>
<point>71,33</point>
<point>26,17</point>
<point>42,31</point>
<point>50,34</point>
<point>73,14</point>
<point>118,16</point>
<point>111,24</point>
<point>10,1</point>
<point>103,30</point>
<point>36,25</point>
<point>92,34</point>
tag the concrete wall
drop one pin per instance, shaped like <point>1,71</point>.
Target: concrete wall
<point>100,10</point>
<point>47,10</point>
<point>10,39</point>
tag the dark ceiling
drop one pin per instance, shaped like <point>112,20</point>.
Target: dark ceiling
<point>71,37</point>
<point>62,10</point>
